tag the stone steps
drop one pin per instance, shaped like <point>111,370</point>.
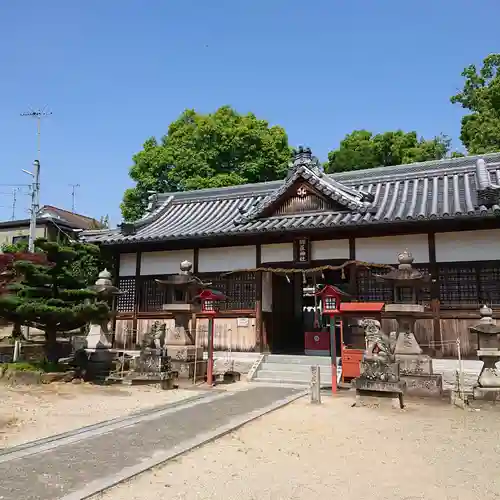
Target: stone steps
<point>292,369</point>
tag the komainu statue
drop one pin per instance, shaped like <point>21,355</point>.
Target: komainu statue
<point>379,370</point>
<point>379,347</point>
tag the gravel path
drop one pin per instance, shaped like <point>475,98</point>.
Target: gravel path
<point>33,412</point>
<point>428,451</point>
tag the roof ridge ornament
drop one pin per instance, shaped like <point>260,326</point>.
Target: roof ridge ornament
<point>303,157</point>
<point>488,193</point>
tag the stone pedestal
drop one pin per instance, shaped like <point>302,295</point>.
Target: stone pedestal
<point>415,367</point>
<point>183,361</point>
<point>98,364</point>
<point>152,366</point>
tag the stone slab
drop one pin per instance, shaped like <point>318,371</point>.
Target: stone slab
<point>361,384</point>
<point>423,385</point>
<point>487,393</point>
<point>185,369</point>
<point>184,352</point>
<point>414,364</point>
<point>392,399</point>
<point>66,471</point>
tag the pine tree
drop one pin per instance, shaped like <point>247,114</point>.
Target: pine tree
<point>44,294</point>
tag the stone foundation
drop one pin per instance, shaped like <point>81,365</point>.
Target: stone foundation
<point>185,369</point>
<point>423,385</point>
<point>185,353</point>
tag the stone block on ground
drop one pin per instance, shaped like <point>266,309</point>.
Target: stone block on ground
<point>423,385</point>
<point>184,352</point>
<point>382,399</point>
<point>186,369</point>
<point>414,364</point>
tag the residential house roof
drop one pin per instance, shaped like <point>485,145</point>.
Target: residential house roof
<point>58,216</point>
<point>443,189</point>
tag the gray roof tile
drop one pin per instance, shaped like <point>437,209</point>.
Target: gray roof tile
<point>419,191</point>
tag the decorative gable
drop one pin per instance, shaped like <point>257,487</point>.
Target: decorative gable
<point>302,198</point>
<point>308,190</point>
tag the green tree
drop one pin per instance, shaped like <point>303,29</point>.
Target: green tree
<point>480,131</point>
<point>362,149</point>
<point>45,295</point>
<point>199,151</point>
<point>90,259</point>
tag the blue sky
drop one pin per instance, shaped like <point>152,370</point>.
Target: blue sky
<point>116,72</point>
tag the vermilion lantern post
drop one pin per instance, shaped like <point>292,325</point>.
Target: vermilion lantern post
<point>209,305</point>
<point>330,305</point>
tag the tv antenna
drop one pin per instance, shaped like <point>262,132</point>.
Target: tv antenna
<point>38,115</point>
<point>73,195</point>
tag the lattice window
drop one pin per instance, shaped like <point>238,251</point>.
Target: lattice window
<point>240,289</point>
<point>126,301</point>
<point>458,285</point>
<point>489,284</point>
<point>152,295</point>
<point>370,289</point>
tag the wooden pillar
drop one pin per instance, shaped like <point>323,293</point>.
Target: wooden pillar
<point>194,321</point>
<point>138,291</point>
<point>260,345</point>
<point>435,304</point>
<point>116,281</point>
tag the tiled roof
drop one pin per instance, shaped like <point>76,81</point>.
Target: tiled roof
<point>420,191</point>
<point>74,220</point>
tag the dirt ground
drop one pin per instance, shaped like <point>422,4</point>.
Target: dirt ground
<point>34,412</point>
<point>430,450</point>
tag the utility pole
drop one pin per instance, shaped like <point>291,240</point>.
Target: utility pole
<point>73,194</point>
<point>38,115</point>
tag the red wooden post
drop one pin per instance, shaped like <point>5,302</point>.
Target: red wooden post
<point>330,304</point>
<point>209,299</point>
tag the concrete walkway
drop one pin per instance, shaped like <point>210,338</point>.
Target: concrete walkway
<point>80,464</point>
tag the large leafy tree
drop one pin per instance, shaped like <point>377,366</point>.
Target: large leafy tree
<point>219,149</point>
<point>46,295</point>
<point>480,131</point>
<point>362,149</point>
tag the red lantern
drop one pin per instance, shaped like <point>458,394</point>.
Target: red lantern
<point>331,297</point>
<point>209,301</point>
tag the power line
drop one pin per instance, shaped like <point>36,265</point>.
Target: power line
<point>73,195</point>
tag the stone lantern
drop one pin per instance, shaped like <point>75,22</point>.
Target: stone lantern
<point>105,290</point>
<point>488,351</point>
<point>181,291</point>
<point>415,367</point>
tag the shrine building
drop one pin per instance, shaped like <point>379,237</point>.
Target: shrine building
<point>259,244</point>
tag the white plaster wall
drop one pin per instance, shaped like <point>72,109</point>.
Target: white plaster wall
<point>279,252</point>
<point>330,249</point>
<point>226,258</point>
<point>127,264</point>
<point>385,249</point>
<point>468,246</point>
<point>167,262</point>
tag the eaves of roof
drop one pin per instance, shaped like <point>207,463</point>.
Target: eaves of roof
<point>443,189</point>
